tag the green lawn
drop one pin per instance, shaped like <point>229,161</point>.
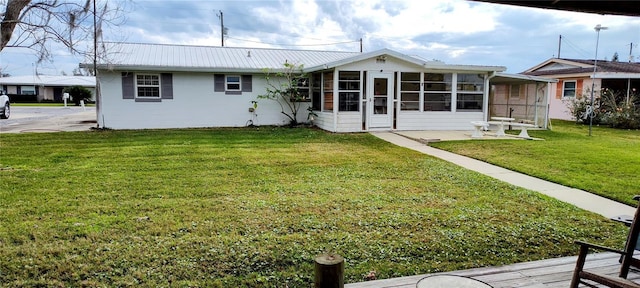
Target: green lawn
<point>253,207</point>
<point>606,163</point>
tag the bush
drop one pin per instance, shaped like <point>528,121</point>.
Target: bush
<point>579,109</point>
<point>612,108</point>
<point>78,93</point>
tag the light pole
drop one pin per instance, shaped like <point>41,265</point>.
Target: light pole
<point>593,77</point>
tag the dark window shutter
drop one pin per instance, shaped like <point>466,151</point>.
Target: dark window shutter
<point>128,87</point>
<point>246,83</point>
<point>19,90</point>
<point>166,80</point>
<point>219,83</point>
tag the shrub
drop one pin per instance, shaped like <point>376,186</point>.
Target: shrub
<point>612,108</point>
<point>78,93</point>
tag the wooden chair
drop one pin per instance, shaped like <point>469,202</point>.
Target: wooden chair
<point>627,260</point>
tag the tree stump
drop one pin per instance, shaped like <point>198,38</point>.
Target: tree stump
<point>329,271</point>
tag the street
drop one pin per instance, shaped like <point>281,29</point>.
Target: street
<point>48,119</point>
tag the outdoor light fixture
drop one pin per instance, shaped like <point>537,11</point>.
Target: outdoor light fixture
<point>593,77</point>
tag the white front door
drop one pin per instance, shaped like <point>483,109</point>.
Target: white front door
<point>380,98</point>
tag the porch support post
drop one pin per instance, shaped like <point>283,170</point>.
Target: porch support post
<point>335,99</point>
<point>485,97</point>
<point>628,90</point>
<point>546,104</point>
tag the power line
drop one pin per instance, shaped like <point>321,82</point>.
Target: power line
<point>295,45</point>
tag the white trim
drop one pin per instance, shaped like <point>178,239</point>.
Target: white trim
<point>226,83</point>
<point>137,86</point>
<point>614,75</point>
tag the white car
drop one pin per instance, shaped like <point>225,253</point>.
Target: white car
<point>5,107</point>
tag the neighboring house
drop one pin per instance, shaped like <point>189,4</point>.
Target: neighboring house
<point>176,86</point>
<point>575,80</point>
<point>44,88</point>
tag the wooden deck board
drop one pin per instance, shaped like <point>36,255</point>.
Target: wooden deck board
<point>551,273</point>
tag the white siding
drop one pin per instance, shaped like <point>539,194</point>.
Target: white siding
<point>349,122</point>
<point>194,104</point>
<point>437,120</point>
<point>324,121</point>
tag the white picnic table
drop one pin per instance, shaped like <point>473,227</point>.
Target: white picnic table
<point>500,122</point>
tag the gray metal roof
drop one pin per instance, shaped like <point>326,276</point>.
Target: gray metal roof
<point>135,56</point>
<point>163,57</point>
<point>46,80</point>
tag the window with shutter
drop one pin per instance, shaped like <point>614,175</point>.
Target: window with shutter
<point>147,87</point>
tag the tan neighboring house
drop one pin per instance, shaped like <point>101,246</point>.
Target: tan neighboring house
<point>44,88</point>
<point>575,79</point>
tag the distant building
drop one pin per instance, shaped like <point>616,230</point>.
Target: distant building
<point>44,88</point>
<point>575,81</point>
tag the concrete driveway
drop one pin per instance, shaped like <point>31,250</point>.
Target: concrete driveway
<point>48,119</point>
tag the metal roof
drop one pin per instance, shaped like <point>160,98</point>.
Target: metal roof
<point>46,80</point>
<point>506,78</point>
<point>164,57</point>
<point>627,8</point>
<point>156,57</point>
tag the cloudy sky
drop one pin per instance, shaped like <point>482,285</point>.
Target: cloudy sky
<point>453,31</point>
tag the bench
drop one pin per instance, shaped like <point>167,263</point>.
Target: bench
<point>523,129</point>
<point>478,127</point>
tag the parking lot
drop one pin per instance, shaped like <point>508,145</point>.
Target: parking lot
<point>48,119</point>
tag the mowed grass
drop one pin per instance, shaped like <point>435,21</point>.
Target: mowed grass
<point>606,163</point>
<point>253,207</point>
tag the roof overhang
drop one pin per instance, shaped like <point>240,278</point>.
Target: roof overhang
<point>428,65</point>
<point>506,78</point>
<point>616,75</point>
<point>625,8</point>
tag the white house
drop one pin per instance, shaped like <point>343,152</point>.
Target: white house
<point>43,87</point>
<point>176,86</point>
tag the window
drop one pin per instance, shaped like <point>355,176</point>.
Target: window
<point>470,92</point>
<point>28,90</point>
<point>437,91</point>
<point>303,90</point>
<point>233,83</point>
<point>514,91</point>
<point>327,86</point>
<point>410,91</point>
<point>349,91</point>
<point>148,85</point>
<point>569,89</point>
<point>316,96</point>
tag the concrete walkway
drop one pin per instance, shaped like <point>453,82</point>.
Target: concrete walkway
<point>600,205</point>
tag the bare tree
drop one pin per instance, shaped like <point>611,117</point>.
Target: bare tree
<point>34,24</point>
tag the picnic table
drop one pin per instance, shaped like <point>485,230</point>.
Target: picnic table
<point>499,121</point>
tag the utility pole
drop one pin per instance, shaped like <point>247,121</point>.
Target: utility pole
<point>221,27</point>
<point>360,45</point>
<point>631,52</point>
<point>559,45</point>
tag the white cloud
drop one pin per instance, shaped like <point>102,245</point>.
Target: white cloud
<point>454,31</point>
